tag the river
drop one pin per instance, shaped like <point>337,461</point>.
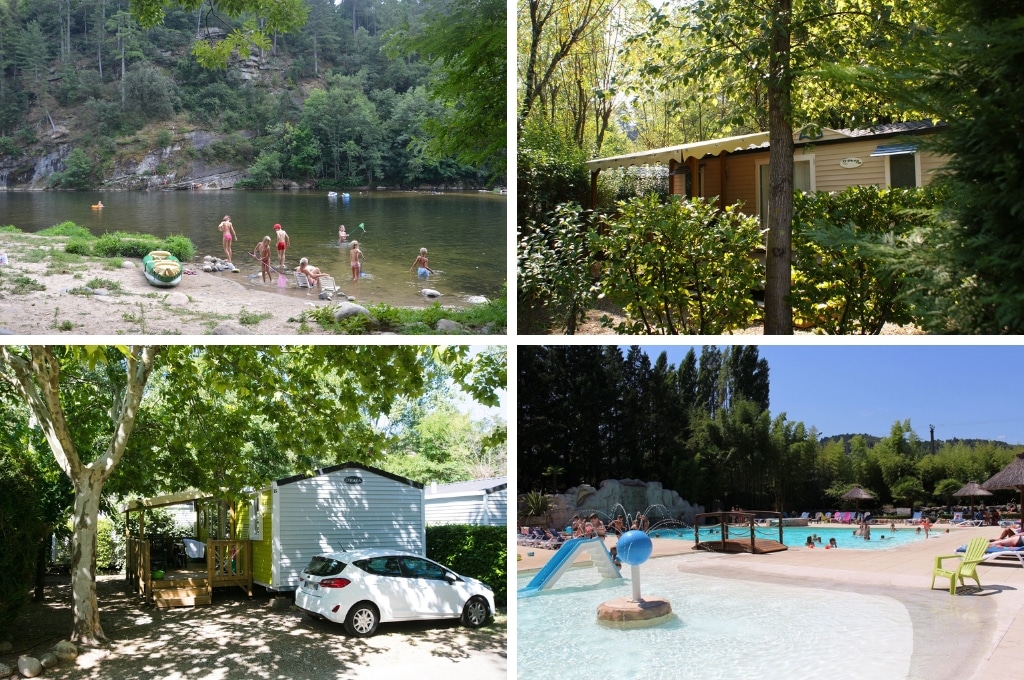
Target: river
<point>465,232</point>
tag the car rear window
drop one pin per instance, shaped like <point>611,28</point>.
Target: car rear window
<point>324,566</point>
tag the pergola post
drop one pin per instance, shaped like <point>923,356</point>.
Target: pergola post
<point>593,188</point>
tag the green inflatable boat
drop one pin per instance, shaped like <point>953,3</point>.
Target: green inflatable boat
<point>162,269</point>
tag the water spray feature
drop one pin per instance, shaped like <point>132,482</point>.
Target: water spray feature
<point>634,548</point>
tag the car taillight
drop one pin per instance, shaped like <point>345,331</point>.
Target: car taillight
<point>334,583</point>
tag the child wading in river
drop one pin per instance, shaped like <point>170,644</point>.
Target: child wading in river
<point>355,259</point>
<point>420,264</point>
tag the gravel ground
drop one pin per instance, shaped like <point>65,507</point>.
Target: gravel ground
<point>259,638</point>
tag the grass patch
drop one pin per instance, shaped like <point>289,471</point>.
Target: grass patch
<point>64,263</point>
<point>9,229</point>
<point>109,284</point>
<point>123,244</point>
<point>247,318</point>
<point>22,284</point>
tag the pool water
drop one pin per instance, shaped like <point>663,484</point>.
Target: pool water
<point>721,628</point>
<point>796,537</point>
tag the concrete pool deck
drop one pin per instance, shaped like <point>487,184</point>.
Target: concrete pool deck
<point>975,634</point>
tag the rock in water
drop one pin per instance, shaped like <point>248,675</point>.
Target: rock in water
<point>430,292</point>
<point>477,300</point>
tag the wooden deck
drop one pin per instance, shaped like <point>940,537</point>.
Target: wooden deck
<point>741,545</point>
<point>228,563</point>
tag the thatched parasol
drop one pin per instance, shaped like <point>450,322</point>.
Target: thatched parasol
<point>857,494</point>
<point>1010,477</point>
<point>972,490</point>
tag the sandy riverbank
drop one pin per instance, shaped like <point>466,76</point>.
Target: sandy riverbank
<point>203,303</point>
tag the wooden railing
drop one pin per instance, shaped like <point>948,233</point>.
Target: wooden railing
<point>137,570</point>
<point>229,563</point>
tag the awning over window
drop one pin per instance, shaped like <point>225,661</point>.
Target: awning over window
<point>893,149</point>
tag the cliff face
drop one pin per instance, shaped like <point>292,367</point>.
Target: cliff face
<point>177,166</point>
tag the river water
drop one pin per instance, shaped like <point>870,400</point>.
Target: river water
<point>465,232</point>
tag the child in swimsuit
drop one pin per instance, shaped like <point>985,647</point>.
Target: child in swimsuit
<point>263,255</point>
<point>342,234</point>
<point>420,264</point>
<point>355,257</point>
<point>283,241</point>
<point>229,232</point>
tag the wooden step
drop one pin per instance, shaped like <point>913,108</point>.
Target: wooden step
<point>163,602</point>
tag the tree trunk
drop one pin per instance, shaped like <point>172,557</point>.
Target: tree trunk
<point>99,37</point>
<point>778,313</point>
<point>86,629</point>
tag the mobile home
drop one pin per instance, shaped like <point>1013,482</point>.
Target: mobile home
<point>736,168</point>
<point>339,508</point>
<point>480,501</point>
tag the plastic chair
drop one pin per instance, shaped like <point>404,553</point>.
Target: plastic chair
<point>968,567</point>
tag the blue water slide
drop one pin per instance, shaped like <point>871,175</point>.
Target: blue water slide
<point>564,558</point>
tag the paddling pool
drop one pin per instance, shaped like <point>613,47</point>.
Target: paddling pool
<point>720,629</point>
<point>796,537</point>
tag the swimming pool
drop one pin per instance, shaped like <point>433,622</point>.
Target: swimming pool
<point>721,628</point>
<point>796,537</point>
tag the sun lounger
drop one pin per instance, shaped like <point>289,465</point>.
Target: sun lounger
<point>916,519</point>
<point>301,281</point>
<point>994,552</point>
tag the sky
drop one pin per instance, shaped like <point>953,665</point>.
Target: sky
<point>965,391</point>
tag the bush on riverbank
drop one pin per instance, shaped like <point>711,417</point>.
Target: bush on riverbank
<point>115,244</point>
<point>489,318</point>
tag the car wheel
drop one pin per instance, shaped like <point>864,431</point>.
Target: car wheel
<point>362,619</point>
<point>475,613</point>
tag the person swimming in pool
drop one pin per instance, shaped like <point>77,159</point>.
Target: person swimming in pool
<point>420,264</point>
<point>228,234</point>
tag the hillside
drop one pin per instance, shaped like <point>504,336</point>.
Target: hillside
<point>90,100</point>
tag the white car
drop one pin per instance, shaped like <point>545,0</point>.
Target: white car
<point>362,588</point>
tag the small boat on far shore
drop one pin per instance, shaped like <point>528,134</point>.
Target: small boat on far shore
<point>162,269</point>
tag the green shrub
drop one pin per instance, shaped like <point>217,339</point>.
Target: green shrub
<point>9,229</point>
<point>79,246</point>
<point>180,246</point>
<point>66,229</point>
<point>105,552</point>
<point>476,551</point>
<point>553,266</point>
<point>122,244</point>
<point>20,532</point>
<point>684,267</point>
<point>850,250</point>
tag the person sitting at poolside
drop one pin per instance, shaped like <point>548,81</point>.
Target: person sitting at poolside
<point>1009,531</point>
<point>1011,542</point>
<point>312,273</point>
<point>599,529</point>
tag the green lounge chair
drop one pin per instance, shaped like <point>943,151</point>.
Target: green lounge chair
<point>969,560</point>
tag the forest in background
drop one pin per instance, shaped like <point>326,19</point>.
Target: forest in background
<point>704,428</point>
<point>363,93</point>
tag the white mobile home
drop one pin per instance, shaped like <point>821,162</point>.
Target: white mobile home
<point>340,508</point>
<point>481,501</point>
